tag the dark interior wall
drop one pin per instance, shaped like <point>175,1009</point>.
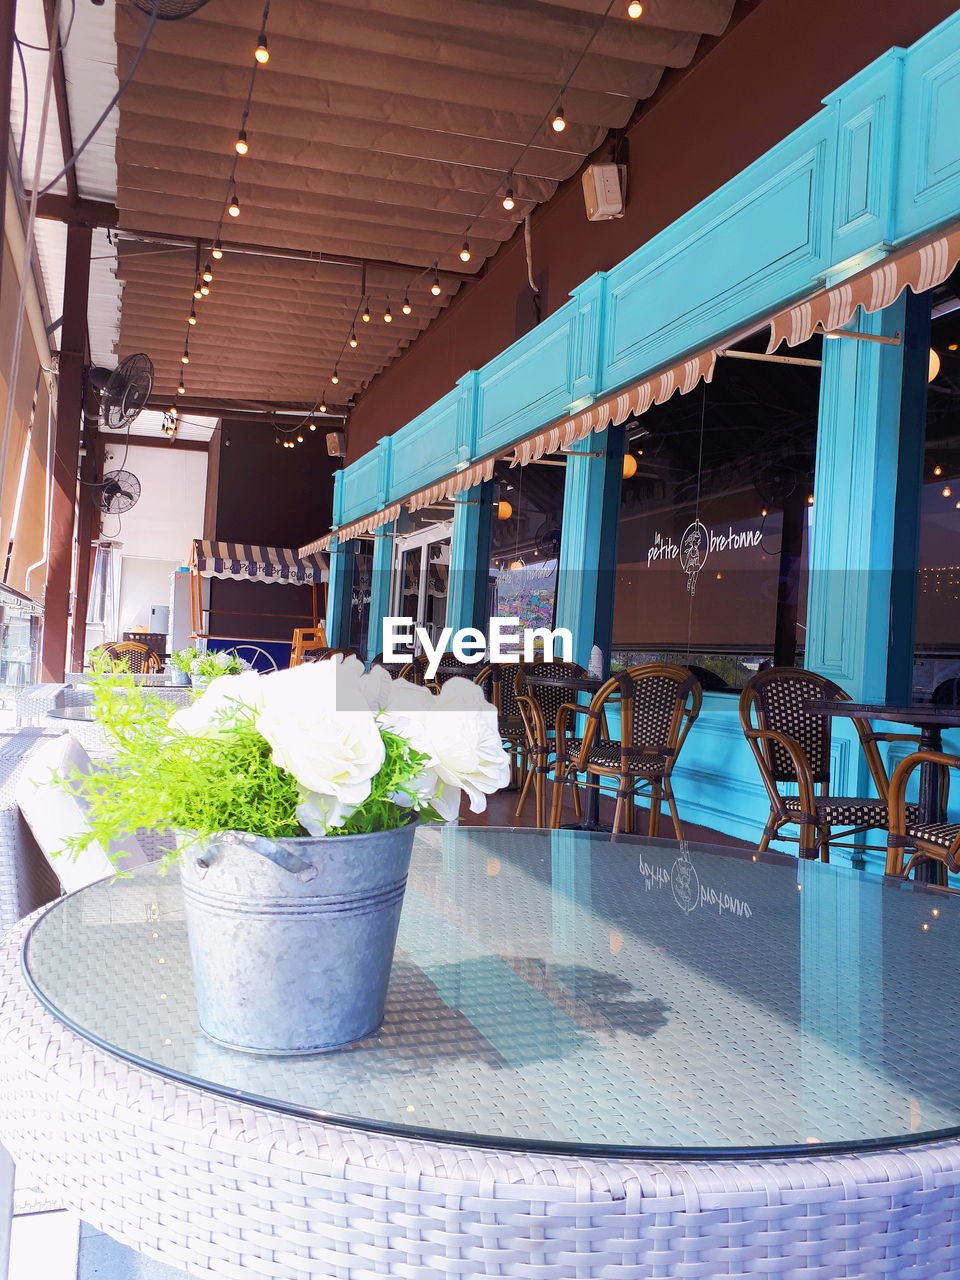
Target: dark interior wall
<point>758,82</point>
<point>271,496</point>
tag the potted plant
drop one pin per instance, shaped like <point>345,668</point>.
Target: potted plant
<point>294,796</point>
<point>179,663</point>
<point>205,667</point>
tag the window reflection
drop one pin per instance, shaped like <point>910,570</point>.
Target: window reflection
<point>525,541</point>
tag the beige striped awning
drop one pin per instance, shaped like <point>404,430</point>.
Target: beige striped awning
<point>922,266</point>
<point>353,530</point>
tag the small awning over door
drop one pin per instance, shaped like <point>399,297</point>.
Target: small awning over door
<point>247,562</point>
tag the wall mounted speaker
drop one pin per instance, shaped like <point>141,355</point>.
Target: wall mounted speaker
<point>604,191</point>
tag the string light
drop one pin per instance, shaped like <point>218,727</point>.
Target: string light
<point>204,290</point>
<point>233,208</point>
<point>207,273</point>
<point>216,251</point>
<point>388,315</point>
<point>508,200</point>
<point>313,426</point>
<point>947,491</point>
<point>938,471</point>
<point>435,288</point>
<point>192,317</point>
<point>559,121</point>
<point>323,406</point>
<point>299,439</point>
<point>198,293</point>
<point>242,146</point>
<point>181,389</point>
<point>465,254</point>
<point>185,358</point>
<point>406,308</point>
<point>634,9</point>
<point>353,338</point>
<point>366,314</point>
<point>335,377</point>
<point>262,51</point>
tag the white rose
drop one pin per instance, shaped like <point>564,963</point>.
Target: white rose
<point>321,728</point>
<point>319,814</point>
<point>217,707</point>
<point>457,731</point>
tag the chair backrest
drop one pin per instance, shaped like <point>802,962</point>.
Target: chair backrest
<point>475,672</point>
<point>415,671</point>
<point>777,699</point>
<point>308,651</point>
<point>138,658</point>
<point>662,702</point>
<point>548,698</point>
<point>155,640</point>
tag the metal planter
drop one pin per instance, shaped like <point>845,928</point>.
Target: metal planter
<point>292,940</point>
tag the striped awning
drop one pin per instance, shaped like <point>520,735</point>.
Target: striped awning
<point>247,562</point>
<point>920,266</point>
<point>354,530</point>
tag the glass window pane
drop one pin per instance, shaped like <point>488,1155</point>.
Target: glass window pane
<point>525,541</point>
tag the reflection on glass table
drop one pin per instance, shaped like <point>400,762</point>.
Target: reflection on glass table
<point>565,991</point>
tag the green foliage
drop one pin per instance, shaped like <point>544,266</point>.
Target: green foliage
<point>161,778</point>
<point>183,658</point>
<point>217,662</point>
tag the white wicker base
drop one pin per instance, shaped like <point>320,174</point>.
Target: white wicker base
<point>229,1190</point>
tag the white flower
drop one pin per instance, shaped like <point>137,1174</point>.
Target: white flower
<point>322,731</point>
<point>217,707</point>
<point>457,731</point>
<point>319,814</point>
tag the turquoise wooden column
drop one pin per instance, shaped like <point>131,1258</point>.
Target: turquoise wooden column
<point>380,587</point>
<point>588,543</point>
<point>470,558</point>
<point>860,613</point>
<point>339,590</point>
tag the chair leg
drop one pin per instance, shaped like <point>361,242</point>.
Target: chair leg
<point>823,843</point>
<point>556,808</point>
<point>631,814</point>
<point>525,791</point>
<point>769,833</point>
<point>808,841</point>
<point>672,804</point>
<point>621,803</point>
<point>540,791</point>
<point>653,822</point>
<point>577,803</point>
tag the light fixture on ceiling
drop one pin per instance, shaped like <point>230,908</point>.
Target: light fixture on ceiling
<point>519,563</point>
<point>504,510</point>
<point>365,317</point>
<point>629,466</point>
<point>312,426</point>
<point>323,406</point>
<point>216,251</point>
<point>465,254</point>
<point>207,274</point>
<point>299,439</point>
<point>406,308</point>
<point>938,471</point>
<point>508,200</point>
<point>353,338</point>
<point>262,51</point>
<point>198,293</point>
<point>335,376</point>
<point>204,290</point>
<point>388,315</point>
<point>559,121</point>
<point>185,358</point>
<point>242,146</point>
<point>192,317</point>
<point>933,365</point>
<point>233,208</point>
<point>634,9</point>
<point>181,389</point>
<point>946,491</point>
<point>435,288</point>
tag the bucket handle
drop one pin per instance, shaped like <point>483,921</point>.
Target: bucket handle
<point>268,849</point>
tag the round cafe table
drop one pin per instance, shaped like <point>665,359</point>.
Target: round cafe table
<point>607,1058</point>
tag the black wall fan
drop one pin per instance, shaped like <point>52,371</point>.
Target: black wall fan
<point>118,491</point>
<point>124,392</point>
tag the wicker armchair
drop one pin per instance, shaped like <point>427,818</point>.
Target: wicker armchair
<point>792,745</point>
<point>513,734</point>
<point>138,658</point>
<point>450,666</point>
<point>415,671</point>
<point>538,705</point>
<point>658,704</point>
<point>939,840</point>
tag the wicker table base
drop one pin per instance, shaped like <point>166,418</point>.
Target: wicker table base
<point>230,1190</point>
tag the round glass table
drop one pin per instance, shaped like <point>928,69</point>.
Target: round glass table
<point>596,1049</point>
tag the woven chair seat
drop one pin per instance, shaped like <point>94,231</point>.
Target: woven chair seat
<point>853,811</point>
<point>607,755</point>
<point>939,833</point>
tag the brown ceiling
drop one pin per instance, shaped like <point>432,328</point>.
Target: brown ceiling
<point>380,130</point>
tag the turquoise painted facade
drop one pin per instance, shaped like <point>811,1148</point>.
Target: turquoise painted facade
<point>877,167</point>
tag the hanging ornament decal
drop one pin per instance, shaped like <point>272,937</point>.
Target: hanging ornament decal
<point>694,546</point>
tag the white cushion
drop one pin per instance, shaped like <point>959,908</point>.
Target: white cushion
<point>55,816</point>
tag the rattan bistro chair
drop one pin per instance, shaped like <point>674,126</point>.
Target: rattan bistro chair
<point>451,666</point>
<point>538,705</point>
<point>139,659</point>
<point>513,733</point>
<point>658,703</point>
<point>908,835</point>
<point>792,745</point>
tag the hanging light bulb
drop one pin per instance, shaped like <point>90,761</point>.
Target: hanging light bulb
<point>299,439</point>
<point>353,338</point>
<point>366,313</point>
<point>233,208</point>
<point>465,254</point>
<point>559,121</point>
<point>198,293</point>
<point>216,251</point>
<point>388,315</point>
<point>204,290</point>
<point>406,308</point>
<point>313,426</point>
<point>323,406</point>
<point>207,273</point>
<point>947,491</point>
<point>181,389</point>
<point>504,510</point>
<point>185,358</point>
<point>242,146</point>
<point>335,377</point>
<point>634,9</point>
<point>435,288</point>
<point>933,365</point>
<point>192,317</point>
<point>629,466</point>
<point>508,200</point>
<point>262,51</point>
<point>938,471</point>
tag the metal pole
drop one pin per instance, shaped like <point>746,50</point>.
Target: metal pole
<point>8,10</point>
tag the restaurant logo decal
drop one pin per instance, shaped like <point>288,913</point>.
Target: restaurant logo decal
<point>689,891</point>
<point>696,543</point>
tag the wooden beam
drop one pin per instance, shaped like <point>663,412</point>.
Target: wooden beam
<point>157,442</point>
<point>84,213</point>
<point>88,530</point>
<point>76,287</point>
<point>60,96</point>
<point>7,14</point>
<point>283,413</point>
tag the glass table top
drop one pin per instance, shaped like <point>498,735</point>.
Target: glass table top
<point>571,991</point>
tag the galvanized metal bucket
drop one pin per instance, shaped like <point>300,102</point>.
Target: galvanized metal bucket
<point>292,940</point>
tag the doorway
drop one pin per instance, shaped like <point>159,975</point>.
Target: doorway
<point>421,570</point>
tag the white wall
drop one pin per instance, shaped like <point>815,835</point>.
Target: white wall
<point>155,534</point>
